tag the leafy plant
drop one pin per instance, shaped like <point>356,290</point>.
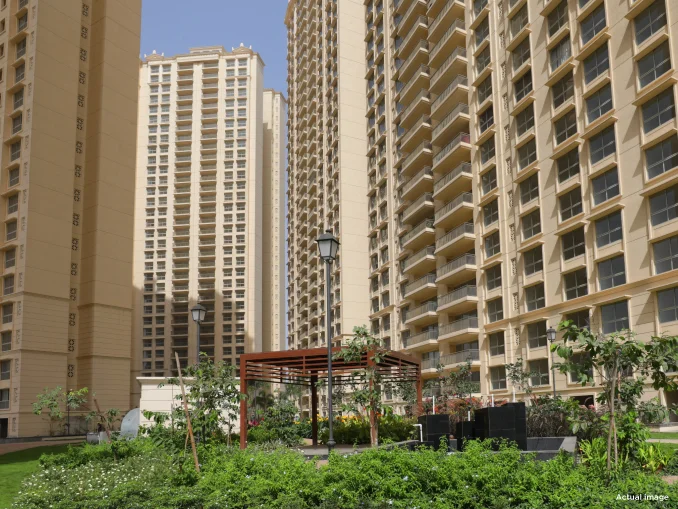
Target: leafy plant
<point>652,458</point>
<point>56,402</point>
<point>653,412</point>
<point>519,377</point>
<point>594,455</point>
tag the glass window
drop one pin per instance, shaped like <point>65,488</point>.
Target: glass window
<point>531,224</point>
<point>592,24</point>
<point>580,319</point>
<point>485,89</point>
<point>10,258</point>
<point>523,86</point>
<point>521,54</point>
<point>486,119</point>
<point>495,310</point>
<point>5,368</point>
<point>573,243</point>
<point>662,157</point>
<point>489,180</point>
<point>615,317</point>
<point>666,255</point>
<point>609,229</point>
<point>540,372</point>
<point>596,64</point>
<point>599,103</point>
<point>487,151</point>
<point>576,284</point>
<point>498,377</point>
<point>493,277</point>
<point>570,204</point>
<point>568,165</point>
<point>653,65</point>
<point>533,261</point>
<point>560,53</point>
<point>611,272</point>
<point>566,126</point>
<point>491,212</point>
<point>536,335</point>
<point>525,120</point>
<point>602,145</point>
<point>664,205</point>
<point>557,18</point>
<point>650,21</point>
<point>482,31</point>
<point>483,60</point>
<point>605,186</point>
<point>534,297</point>
<point>563,90</point>
<point>527,154</point>
<point>519,21</point>
<point>6,341</point>
<point>667,301</point>
<point>529,189</point>
<point>658,110</point>
<point>492,245</point>
<point>497,344</point>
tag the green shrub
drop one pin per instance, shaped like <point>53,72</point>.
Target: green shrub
<point>355,429</point>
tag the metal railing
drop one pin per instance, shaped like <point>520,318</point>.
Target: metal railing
<point>470,322</point>
<point>458,110</point>
<point>460,138</point>
<point>458,294</point>
<point>455,233</point>
<point>465,259</point>
<point>453,204</point>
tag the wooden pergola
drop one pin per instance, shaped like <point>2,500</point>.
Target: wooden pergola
<point>307,367</point>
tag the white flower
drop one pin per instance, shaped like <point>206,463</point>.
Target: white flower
<point>406,478</point>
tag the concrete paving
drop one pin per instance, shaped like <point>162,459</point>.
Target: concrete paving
<point>13,447</point>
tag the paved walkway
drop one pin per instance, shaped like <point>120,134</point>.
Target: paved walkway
<point>664,440</point>
<point>6,448</point>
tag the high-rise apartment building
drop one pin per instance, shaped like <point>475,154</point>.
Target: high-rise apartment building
<point>68,84</point>
<point>209,208</point>
<point>575,166</point>
<point>327,186</point>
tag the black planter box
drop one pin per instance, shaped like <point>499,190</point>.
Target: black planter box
<point>434,424</point>
<point>463,432</point>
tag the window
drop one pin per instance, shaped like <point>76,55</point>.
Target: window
<point>521,54</point>
<point>662,157</point>
<point>17,123</point>
<point>654,65</point>
<point>596,64</point>
<point>658,110</point>
<point>492,245</point>
<point>6,341</point>
<point>487,151</point>
<point>534,297</point>
<point>666,255</point>
<point>495,310</point>
<point>523,86</point>
<point>498,377</point>
<point>19,73</point>
<point>4,399</point>
<point>527,154</point>
<point>602,145</point>
<point>576,284</point>
<point>8,285</point>
<point>489,180</point>
<point>609,229</point>
<point>486,119</point>
<point>539,370</point>
<point>531,224</point>
<point>557,18</point>
<point>7,313</point>
<point>497,344</point>
<point>525,120</point>
<point>533,261</point>
<point>615,317</point>
<point>599,103</point>
<point>560,53</point>
<point>5,367</point>
<point>563,90</point>
<point>484,90</point>
<point>593,24</point>
<point>491,212</point>
<point>10,231</point>
<point>570,204</point>
<point>12,204</point>
<point>611,272</point>
<point>605,186</point>
<point>10,258</point>
<point>650,21</point>
<point>568,165</point>
<point>566,126</point>
<point>580,319</point>
<point>573,243</point>
<point>664,205</point>
<point>493,277</point>
<point>536,335</point>
<point>667,303</point>
<point>529,189</point>
<point>15,151</point>
<point>483,60</point>
<point>482,31</point>
<point>18,99</point>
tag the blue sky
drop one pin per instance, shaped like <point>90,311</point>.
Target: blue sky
<point>172,26</point>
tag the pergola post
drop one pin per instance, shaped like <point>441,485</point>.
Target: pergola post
<point>243,403</point>
<point>420,403</point>
<point>314,410</point>
<point>374,437</point>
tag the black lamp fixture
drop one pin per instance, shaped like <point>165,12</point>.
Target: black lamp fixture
<point>198,313</point>
<point>328,246</point>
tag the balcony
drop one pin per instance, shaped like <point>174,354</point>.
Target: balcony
<point>458,210</point>
<point>459,179</point>
<point>420,261</point>
<point>421,289</point>
<point>460,330</point>
<point>453,65</point>
<point>421,315</point>
<point>460,300</point>
<point>452,124</point>
<point>414,63</point>
<point>459,240</point>
<point>421,234</point>
<point>417,159</point>
<point>423,341</point>
<point>457,271</point>
<point>455,359</point>
<point>419,209</point>
<point>419,183</point>
<point>416,134</point>
<point>454,36</point>
<point>455,152</point>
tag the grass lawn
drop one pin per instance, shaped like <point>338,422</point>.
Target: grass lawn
<point>673,436</point>
<point>14,466</point>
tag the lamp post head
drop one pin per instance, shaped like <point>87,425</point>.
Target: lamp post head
<point>328,245</point>
<point>551,334</point>
<point>198,313</point>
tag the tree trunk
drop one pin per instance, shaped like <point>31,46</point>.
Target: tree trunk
<point>611,427</point>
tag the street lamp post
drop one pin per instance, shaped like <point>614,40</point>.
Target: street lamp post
<point>198,313</point>
<point>328,246</point>
<point>551,336</point>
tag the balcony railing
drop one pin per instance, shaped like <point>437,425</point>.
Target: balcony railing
<point>458,294</point>
<point>470,322</point>
<point>465,259</point>
<point>428,335</point>
<point>455,233</point>
<point>460,357</point>
<point>458,110</point>
<point>428,279</point>
<point>457,24</point>
<point>460,138</point>
<point>446,179</point>
<point>419,255</point>
<point>426,223</point>
<point>416,178</point>
<point>462,198</point>
<point>459,52</point>
<point>424,198</point>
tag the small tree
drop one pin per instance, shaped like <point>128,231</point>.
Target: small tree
<point>611,356</point>
<point>56,402</point>
<point>519,377</point>
<point>366,384</point>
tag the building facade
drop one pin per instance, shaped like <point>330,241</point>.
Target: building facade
<point>208,210</point>
<point>68,83</point>
<point>326,168</point>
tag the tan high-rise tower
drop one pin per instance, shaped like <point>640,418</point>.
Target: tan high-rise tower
<point>327,186</point>
<point>68,82</point>
<point>209,204</point>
